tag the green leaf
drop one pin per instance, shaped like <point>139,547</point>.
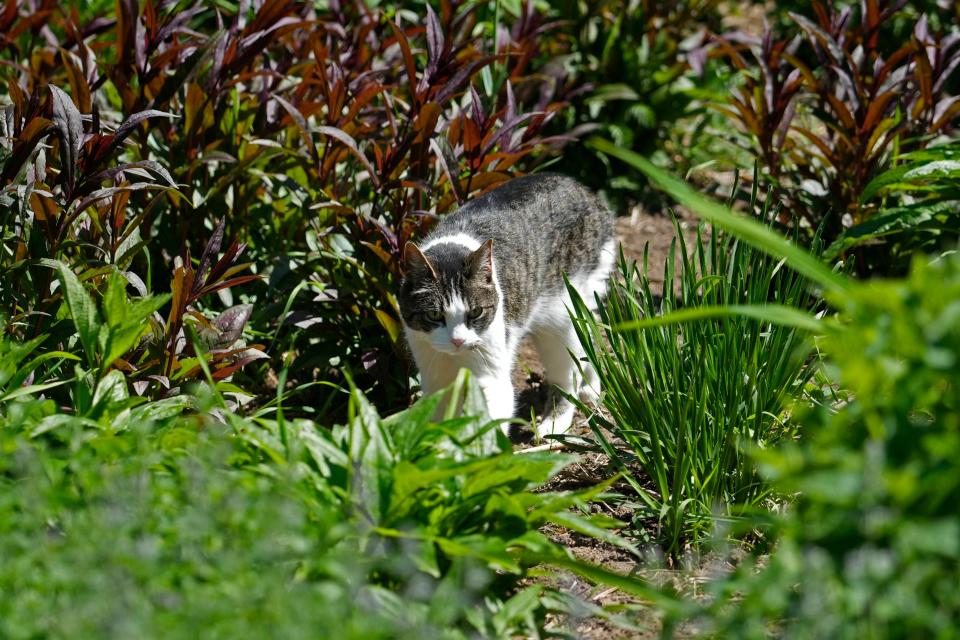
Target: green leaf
<point>318,444</point>
<point>111,390</point>
<point>521,606</point>
<point>81,307</point>
<point>163,409</point>
<point>115,299</point>
<point>936,216</point>
<point>125,319</point>
<point>490,549</point>
<point>902,177</point>
<point>508,470</point>
<point>409,427</point>
<point>583,525</point>
<point>371,458</point>
<point>57,420</point>
<point>11,356</point>
<point>29,390</point>
<point>773,313</point>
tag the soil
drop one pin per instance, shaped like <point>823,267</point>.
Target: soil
<point>634,232</point>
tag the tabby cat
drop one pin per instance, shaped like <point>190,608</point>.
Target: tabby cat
<point>492,273</point>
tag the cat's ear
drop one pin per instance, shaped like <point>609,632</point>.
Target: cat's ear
<point>481,261</point>
<point>414,261</point>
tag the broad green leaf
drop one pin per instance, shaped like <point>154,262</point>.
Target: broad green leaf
<point>12,355</point>
<point>521,606</point>
<point>81,307</point>
<point>408,427</point>
<point>371,458</point>
<point>125,319</point>
<point>115,299</point>
<point>507,469</point>
<point>912,174</point>
<point>490,549</point>
<point>501,506</point>
<point>323,452</point>
<point>58,420</point>
<point>163,409</point>
<point>935,216</point>
<point>111,390</point>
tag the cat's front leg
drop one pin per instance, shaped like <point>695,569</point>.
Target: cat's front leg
<point>498,393</point>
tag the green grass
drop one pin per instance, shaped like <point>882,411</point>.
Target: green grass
<point>688,397</point>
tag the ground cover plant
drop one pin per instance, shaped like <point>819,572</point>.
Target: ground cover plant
<point>137,519</point>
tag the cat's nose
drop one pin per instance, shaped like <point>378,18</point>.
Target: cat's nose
<point>457,342</point>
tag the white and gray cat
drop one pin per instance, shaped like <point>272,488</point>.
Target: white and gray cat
<point>491,273</point>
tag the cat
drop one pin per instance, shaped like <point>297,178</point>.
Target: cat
<point>491,273</point>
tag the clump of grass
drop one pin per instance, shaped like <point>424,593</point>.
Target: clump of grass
<point>869,546</point>
<point>688,400</point>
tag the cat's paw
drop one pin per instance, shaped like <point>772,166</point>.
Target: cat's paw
<point>589,394</point>
<point>589,388</point>
<point>555,424</point>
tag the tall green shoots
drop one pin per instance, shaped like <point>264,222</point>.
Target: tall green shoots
<point>688,397</point>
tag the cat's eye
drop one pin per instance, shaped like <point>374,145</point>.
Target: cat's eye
<point>434,315</point>
<point>475,313</point>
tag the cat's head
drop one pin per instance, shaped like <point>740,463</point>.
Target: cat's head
<point>449,294</point>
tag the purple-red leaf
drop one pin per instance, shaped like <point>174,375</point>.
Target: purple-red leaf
<point>108,192</point>
<point>231,323</point>
<point>435,38</point>
<point>463,74</point>
<point>351,144</point>
<point>70,129</point>
<point>152,165</point>
<point>124,129</point>
<point>479,115</point>
<point>211,250</point>
<point>448,163</point>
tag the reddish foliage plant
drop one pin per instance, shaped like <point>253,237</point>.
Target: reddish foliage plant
<point>827,107</point>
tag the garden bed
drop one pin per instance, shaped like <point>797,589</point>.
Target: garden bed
<point>205,420</point>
